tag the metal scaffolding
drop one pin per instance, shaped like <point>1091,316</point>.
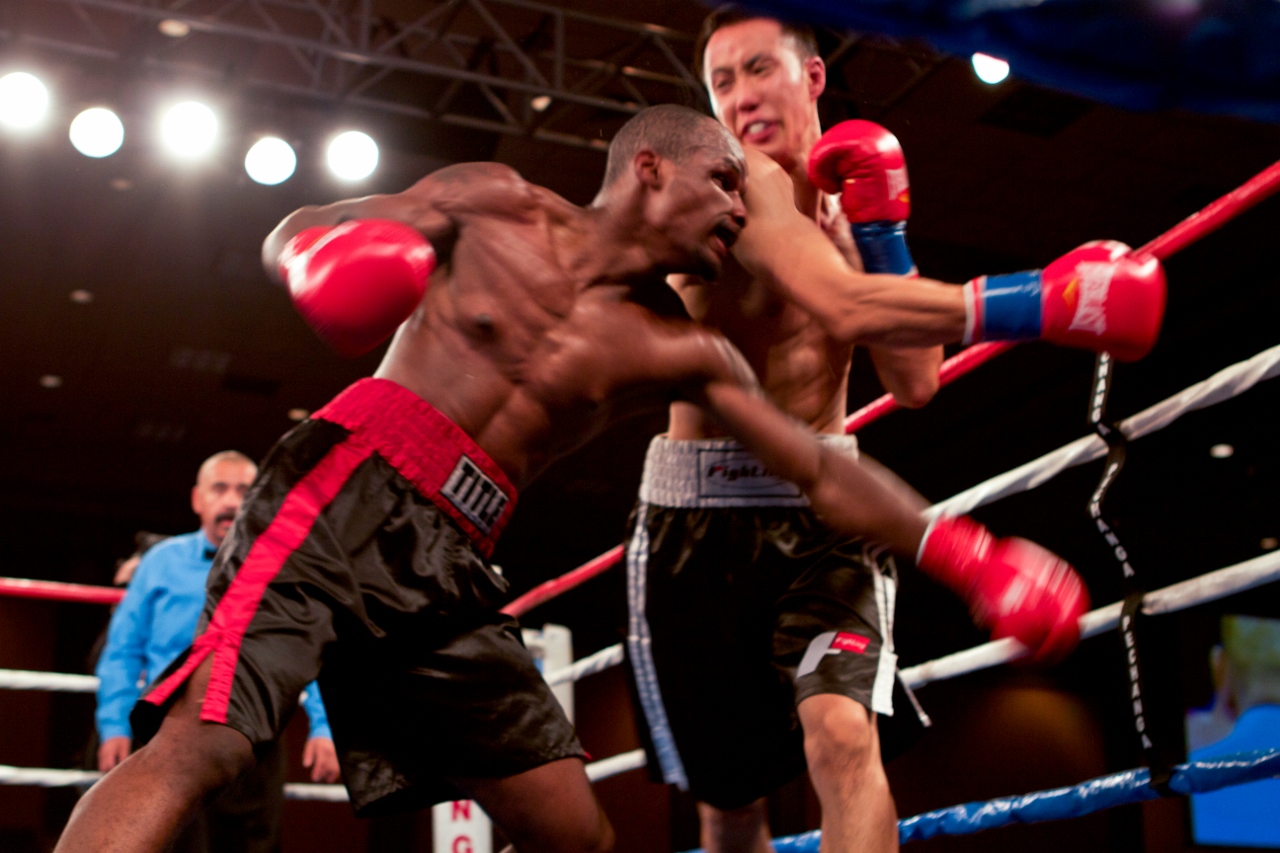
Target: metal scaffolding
<point>539,70</point>
<point>515,67</point>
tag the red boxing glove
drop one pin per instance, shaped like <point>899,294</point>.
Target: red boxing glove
<point>1102,297</point>
<point>1099,297</point>
<point>863,163</point>
<point>355,283</point>
<point>1012,586</point>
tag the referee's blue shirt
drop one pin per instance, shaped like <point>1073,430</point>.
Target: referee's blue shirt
<point>155,623</point>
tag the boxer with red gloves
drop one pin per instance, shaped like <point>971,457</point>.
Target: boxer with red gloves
<point>734,577</point>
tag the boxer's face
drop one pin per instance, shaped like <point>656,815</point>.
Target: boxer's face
<point>702,211</point>
<point>763,89</point>
<point>217,496</point>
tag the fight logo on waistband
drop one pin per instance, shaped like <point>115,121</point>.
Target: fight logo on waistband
<point>475,495</point>
<point>738,474</point>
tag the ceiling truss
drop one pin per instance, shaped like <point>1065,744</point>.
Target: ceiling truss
<point>514,67</point>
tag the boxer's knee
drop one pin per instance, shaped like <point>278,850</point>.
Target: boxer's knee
<point>840,741</point>
<point>198,755</point>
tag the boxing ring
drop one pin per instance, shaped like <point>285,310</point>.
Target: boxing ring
<point>1125,787</point>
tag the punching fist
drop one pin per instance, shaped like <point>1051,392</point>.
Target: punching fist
<point>355,283</point>
<point>1012,586</point>
<point>1098,297</point>
<point>862,162</point>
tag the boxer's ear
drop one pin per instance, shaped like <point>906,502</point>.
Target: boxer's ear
<point>815,73</point>
<point>647,165</point>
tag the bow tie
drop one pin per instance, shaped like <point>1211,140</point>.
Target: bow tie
<point>210,553</point>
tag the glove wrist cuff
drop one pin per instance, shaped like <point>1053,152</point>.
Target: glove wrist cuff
<point>1004,307</point>
<point>883,246</point>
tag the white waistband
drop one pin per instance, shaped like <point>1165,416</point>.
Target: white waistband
<point>718,472</point>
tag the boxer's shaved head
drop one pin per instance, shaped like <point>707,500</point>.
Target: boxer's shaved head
<point>670,131</point>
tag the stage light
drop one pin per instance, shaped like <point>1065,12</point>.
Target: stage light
<point>989,69</point>
<point>97,132</point>
<point>540,103</point>
<point>189,130</point>
<point>353,155</point>
<point>270,161</point>
<point>173,28</point>
<point>1222,451</point>
<point>24,100</point>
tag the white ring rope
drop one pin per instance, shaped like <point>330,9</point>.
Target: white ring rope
<point>590,665</point>
<point>57,682</point>
<point>1223,385</point>
<point>44,777</point>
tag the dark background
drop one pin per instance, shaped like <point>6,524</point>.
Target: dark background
<point>185,349</point>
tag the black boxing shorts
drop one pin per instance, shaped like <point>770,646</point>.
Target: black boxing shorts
<point>741,605</point>
<point>360,557</point>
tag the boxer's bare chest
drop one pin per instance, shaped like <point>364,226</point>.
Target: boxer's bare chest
<point>529,356</point>
<point>801,368</point>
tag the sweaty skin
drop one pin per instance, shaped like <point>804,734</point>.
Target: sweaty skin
<point>546,323</point>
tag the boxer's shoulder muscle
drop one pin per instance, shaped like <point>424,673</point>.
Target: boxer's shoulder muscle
<point>479,189</point>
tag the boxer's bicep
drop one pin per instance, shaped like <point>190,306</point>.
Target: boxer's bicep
<point>436,206</point>
<point>795,257</point>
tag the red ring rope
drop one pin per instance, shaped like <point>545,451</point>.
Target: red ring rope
<point>54,591</point>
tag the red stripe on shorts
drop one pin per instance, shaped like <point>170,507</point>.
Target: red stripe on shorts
<point>423,445</point>
<point>286,532</point>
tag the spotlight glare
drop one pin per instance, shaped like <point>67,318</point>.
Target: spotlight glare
<point>1221,451</point>
<point>97,132</point>
<point>24,100</point>
<point>189,130</point>
<point>989,69</point>
<point>540,103</point>
<point>173,28</point>
<point>353,155</point>
<point>270,161</point>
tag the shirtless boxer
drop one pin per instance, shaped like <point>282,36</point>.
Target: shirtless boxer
<point>360,553</point>
<point>758,638</point>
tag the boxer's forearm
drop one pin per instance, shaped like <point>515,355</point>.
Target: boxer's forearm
<point>855,307</point>
<point>910,374</point>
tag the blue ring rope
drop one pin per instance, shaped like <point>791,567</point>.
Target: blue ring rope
<point>1104,792</point>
